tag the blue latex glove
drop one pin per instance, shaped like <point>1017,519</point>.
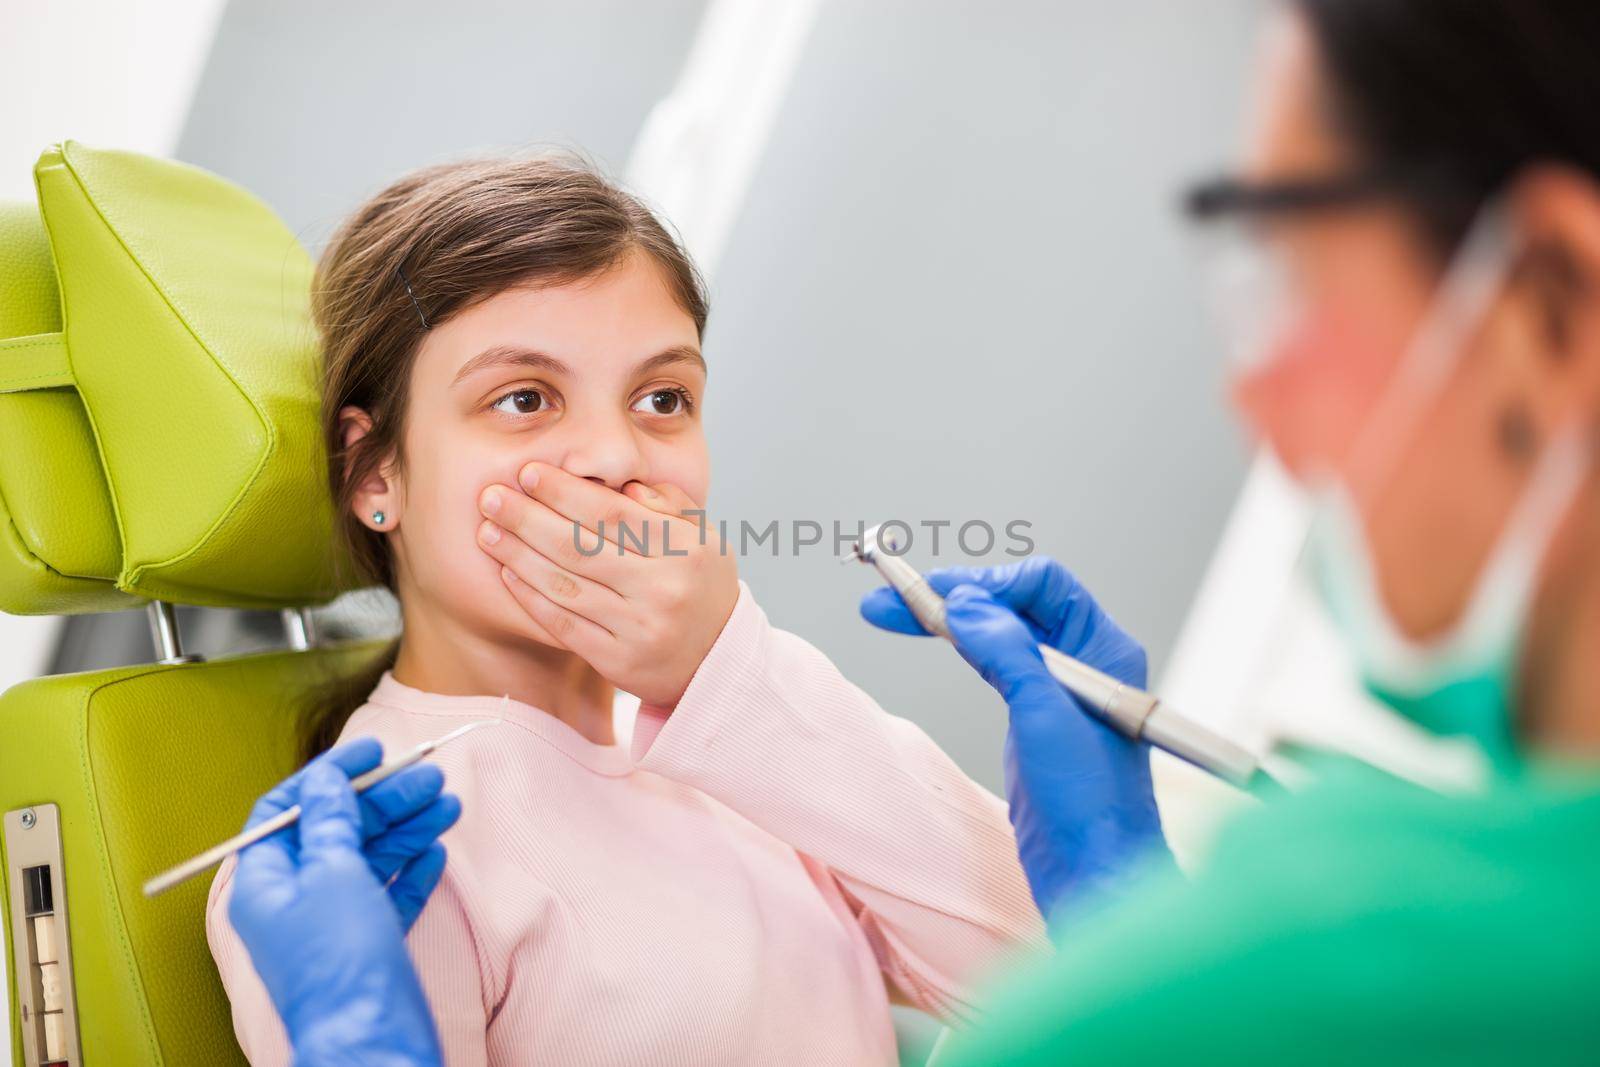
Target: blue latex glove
<point>1081,801</point>
<point>323,908</point>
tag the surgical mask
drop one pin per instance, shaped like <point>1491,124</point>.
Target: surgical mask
<point>1462,682</point>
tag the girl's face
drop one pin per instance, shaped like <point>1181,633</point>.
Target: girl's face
<point>602,377</point>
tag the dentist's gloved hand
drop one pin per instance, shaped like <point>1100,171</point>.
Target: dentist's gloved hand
<point>323,908</point>
<point>1080,794</point>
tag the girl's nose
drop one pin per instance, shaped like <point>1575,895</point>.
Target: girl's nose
<point>604,451</point>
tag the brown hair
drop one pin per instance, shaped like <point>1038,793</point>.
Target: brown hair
<point>432,244</point>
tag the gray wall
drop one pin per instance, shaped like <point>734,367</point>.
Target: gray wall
<point>958,288</point>
<point>313,104</point>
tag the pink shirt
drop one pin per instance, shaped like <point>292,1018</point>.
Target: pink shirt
<point>772,861</point>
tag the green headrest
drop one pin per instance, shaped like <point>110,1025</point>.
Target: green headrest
<point>58,542</point>
<point>175,394</point>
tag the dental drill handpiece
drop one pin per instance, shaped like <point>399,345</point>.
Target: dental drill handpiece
<point>1130,711</point>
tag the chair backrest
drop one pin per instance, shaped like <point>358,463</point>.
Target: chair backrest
<point>158,442</point>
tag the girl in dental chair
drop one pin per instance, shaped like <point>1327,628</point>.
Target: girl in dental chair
<point>512,373</point>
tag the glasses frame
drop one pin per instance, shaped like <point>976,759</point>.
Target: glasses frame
<point>1231,197</point>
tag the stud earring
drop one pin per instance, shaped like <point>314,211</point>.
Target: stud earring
<point>377,518</point>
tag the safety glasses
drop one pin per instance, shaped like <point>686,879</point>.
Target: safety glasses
<point>1250,284</point>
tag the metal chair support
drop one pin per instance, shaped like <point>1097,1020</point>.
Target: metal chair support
<point>164,634</point>
<point>299,628</point>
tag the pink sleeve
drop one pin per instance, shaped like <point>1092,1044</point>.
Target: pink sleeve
<point>255,1022</point>
<point>449,962</point>
<point>769,727</point>
<point>440,942</point>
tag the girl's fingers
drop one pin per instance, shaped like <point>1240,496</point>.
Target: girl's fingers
<point>570,547</point>
<point>663,498</point>
<point>582,595</point>
<point>684,525</point>
<point>572,631</point>
<point>595,507</point>
<point>532,628</point>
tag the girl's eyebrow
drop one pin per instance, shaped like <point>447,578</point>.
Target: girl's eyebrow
<point>510,355</point>
<point>676,354</point>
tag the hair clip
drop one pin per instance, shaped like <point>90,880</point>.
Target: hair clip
<point>400,271</point>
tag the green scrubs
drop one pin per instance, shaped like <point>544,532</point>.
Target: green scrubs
<point>1365,921</point>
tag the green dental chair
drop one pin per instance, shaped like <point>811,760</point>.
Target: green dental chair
<point>159,445</point>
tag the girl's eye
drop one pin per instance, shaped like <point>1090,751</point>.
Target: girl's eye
<point>522,402</point>
<point>663,402</point>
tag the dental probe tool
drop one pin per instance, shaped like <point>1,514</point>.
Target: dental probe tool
<point>215,855</point>
<point>1128,710</point>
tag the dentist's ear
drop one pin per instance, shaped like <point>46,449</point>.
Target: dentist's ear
<point>1557,209</point>
<point>376,500</point>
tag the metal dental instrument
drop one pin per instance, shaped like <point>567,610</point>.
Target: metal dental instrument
<point>1130,711</point>
<point>215,855</point>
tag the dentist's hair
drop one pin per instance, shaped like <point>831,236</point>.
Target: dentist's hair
<point>432,244</point>
<point>1461,95</point>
